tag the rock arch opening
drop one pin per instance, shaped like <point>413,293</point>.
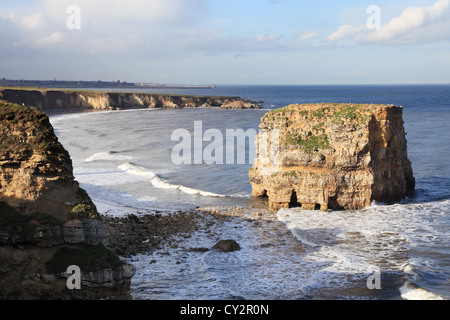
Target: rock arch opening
<point>294,201</point>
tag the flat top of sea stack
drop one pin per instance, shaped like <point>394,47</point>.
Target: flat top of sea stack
<point>338,111</point>
<point>337,106</point>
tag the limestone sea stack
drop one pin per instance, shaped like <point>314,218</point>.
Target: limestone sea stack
<point>332,156</point>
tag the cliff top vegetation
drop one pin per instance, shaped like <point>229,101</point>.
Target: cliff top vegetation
<point>88,92</point>
<point>44,141</point>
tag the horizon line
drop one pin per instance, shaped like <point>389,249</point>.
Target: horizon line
<point>235,84</point>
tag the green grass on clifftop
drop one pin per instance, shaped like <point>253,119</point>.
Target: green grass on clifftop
<point>94,92</point>
<point>309,144</point>
<point>13,112</point>
<point>338,113</point>
<point>44,140</point>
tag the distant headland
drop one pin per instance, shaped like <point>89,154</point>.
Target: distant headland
<point>97,84</point>
<point>53,101</point>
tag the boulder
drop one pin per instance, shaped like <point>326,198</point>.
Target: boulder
<point>227,246</point>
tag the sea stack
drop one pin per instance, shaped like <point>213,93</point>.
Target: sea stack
<point>332,156</point>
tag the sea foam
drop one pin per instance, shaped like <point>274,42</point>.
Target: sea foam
<point>108,156</point>
<point>412,292</point>
<point>157,182</point>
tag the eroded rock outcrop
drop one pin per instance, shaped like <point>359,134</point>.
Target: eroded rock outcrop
<point>35,169</point>
<point>332,156</point>
<point>74,101</point>
<point>44,213</point>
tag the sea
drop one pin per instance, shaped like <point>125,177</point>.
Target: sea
<point>125,161</point>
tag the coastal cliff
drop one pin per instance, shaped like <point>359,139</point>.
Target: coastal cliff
<point>47,222</point>
<point>332,156</point>
<point>77,101</point>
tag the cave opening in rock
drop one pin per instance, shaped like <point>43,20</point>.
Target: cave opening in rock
<point>334,204</point>
<point>294,201</point>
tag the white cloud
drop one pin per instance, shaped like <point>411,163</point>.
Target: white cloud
<point>308,36</point>
<point>52,39</point>
<point>31,21</point>
<point>114,13</point>
<point>346,31</point>
<point>413,25</point>
<point>25,29</point>
<point>410,23</point>
<point>139,40</point>
<point>268,38</point>
<point>107,26</point>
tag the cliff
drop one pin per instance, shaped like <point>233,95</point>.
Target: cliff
<point>47,222</point>
<point>332,156</point>
<point>77,101</point>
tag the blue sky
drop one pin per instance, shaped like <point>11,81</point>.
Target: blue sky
<point>227,42</point>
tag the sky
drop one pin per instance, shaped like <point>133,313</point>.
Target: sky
<point>227,42</point>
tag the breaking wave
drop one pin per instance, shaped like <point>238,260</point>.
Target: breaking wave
<point>382,237</point>
<point>157,182</point>
<point>108,156</point>
<point>410,291</point>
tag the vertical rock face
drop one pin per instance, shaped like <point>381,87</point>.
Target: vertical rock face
<point>71,100</point>
<point>332,156</point>
<point>44,213</point>
<point>35,169</point>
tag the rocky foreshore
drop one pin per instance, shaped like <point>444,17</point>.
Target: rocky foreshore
<point>133,234</point>
<point>48,223</point>
<point>142,234</point>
